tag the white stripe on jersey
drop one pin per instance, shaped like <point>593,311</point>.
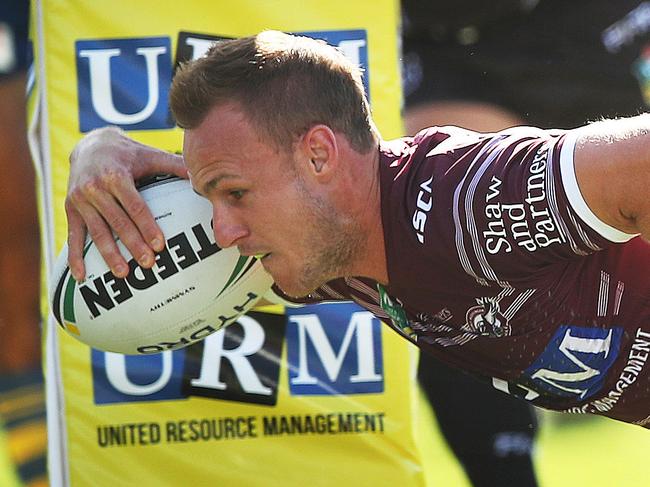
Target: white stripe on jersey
<point>460,245</point>
<point>561,225</point>
<point>620,288</point>
<point>332,293</point>
<point>603,294</point>
<point>362,287</point>
<point>456,340</point>
<point>583,235</point>
<point>518,303</point>
<point>576,200</point>
<point>552,198</point>
<point>374,309</point>
<point>505,292</point>
<point>371,303</point>
<point>471,221</point>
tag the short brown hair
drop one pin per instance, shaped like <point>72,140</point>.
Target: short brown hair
<point>285,84</point>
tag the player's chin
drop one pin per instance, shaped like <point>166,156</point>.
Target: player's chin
<point>291,276</point>
<point>289,289</point>
<point>294,288</point>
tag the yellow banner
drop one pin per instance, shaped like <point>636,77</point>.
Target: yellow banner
<point>320,396</point>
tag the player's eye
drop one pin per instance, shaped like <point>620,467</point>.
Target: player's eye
<point>236,193</point>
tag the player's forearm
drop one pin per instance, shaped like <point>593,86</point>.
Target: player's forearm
<point>612,163</point>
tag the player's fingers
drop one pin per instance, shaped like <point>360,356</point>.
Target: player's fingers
<point>100,212</point>
<point>124,227</point>
<point>138,211</point>
<point>76,240</point>
<point>103,238</point>
<point>158,162</point>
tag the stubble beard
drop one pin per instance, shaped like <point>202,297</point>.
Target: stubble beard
<point>333,243</point>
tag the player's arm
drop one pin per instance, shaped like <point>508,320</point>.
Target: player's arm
<point>612,171</point>
<point>102,196</point>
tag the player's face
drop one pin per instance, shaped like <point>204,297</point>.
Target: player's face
<point>264,206</point>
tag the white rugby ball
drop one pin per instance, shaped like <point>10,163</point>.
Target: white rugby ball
<point>194,289</point>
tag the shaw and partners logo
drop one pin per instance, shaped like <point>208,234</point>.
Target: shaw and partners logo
<point>125,82</point>
<point>331,349</point>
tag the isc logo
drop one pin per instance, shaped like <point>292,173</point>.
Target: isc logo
<point>332,349</point>
<point>124,82</point>
<point>424,204</point>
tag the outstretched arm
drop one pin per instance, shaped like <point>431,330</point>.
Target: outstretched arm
<point>102,196</point>
<point>612,169</point>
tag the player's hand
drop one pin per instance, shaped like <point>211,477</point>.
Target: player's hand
<point>102,197</point>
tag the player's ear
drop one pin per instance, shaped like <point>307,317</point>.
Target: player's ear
<point>320,148</point>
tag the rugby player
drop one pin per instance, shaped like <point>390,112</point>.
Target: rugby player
<point>512,255</point>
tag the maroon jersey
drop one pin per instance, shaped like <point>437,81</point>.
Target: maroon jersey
<point>497,266</point>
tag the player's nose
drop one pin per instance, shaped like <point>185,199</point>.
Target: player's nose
<point>227,229</point>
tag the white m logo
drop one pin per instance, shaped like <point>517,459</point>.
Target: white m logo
<point>360,326</point>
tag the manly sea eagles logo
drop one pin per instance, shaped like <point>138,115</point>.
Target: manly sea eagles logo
<point>486,319</point>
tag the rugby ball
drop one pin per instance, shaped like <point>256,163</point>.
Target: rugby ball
<point>194,289</point>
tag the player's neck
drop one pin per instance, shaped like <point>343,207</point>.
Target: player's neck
<point>371,260</point>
